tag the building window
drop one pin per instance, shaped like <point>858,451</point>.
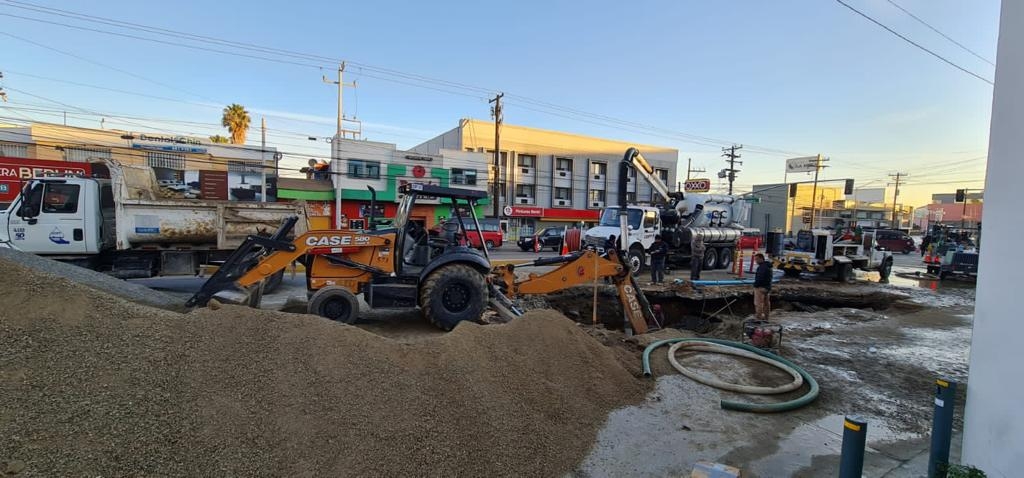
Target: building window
<point>13,150</point>
<point>563,193</point>
<point>463,176</point>
<point>173,161</point>
<point>661,174</point>
<point>631,197</point>
<point>527,161</point>
<point>504,157</point>
<point>358,168</point>
<point>563,164</point>
<point>85,155</point>
<point>596,195</point>
<point>598,168</point>
<point>524,191</point>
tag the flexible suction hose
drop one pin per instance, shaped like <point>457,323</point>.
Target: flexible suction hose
<point>798,380</point>
<point>809,397</point>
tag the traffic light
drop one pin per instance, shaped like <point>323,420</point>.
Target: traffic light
<point>961,195</point>
<point>792,190</point>
<point>848,190</point>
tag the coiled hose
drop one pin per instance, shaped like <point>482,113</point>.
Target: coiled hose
<point>810,396</point>
<point>732,387</point>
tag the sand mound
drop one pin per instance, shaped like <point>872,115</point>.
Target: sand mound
<point>107,387</point>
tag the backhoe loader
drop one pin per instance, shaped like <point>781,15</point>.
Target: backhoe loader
<point>400,267</point>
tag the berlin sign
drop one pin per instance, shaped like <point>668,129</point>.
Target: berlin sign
<point>697,185</point>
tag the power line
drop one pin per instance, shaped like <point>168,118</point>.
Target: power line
<point>936,30</point>
<point>918,45</point>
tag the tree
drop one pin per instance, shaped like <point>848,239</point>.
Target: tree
<point>219,139</point>
<point>236,120</point>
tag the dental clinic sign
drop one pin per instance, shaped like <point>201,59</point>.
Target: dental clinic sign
<point>170,144</point>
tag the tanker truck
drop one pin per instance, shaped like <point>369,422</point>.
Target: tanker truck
<point>125,226</point>
<point>715,218</point>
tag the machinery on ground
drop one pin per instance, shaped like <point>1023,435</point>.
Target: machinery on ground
<point>951,252</point>
<point>714,218</point>
<point>401,267</point>
<point>124,226</point>
<point>817,251</point>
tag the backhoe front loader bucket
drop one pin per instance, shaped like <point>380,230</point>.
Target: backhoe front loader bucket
<point>241,261</point>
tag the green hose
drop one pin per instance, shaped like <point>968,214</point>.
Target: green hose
<point>809,397</point>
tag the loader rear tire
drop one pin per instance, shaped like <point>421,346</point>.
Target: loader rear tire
<point>452,294</point>
<point>335,303</point>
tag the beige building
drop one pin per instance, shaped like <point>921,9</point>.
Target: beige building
<point>551,177</point>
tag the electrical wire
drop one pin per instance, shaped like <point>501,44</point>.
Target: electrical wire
<point>936,30</point>
<point>918,45</point>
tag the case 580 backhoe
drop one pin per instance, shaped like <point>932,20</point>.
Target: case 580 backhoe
<point>404,267</point>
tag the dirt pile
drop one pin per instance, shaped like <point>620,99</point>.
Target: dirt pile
<point>94,385</point>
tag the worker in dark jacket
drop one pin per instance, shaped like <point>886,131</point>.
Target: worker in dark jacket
<point>659,253</point>
<point>696,258</point>
<point>762,287</point>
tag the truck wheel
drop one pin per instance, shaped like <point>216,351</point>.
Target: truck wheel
<point>885,270</point>
<point>451,294</point>
<point>724,258</point>
<point>636,260</point>
<point>335,303</point>
<point>844,273</point>
<point>710,259</point>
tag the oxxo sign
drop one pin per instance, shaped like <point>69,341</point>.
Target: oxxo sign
<point>697,185</point>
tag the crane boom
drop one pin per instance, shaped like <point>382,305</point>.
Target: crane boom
<point>637,161</point>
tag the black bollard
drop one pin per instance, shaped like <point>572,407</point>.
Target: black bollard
<point>942,427</point>
<point>855,433</point>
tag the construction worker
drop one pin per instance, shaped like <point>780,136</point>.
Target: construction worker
<point>696,257</point>
<point>762,287</point>
<point>659,253</point>
<point>925,242</point>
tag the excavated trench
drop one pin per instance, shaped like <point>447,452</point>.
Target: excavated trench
<point>699,309</point>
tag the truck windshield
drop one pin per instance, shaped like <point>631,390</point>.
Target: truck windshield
<point>610,217</point>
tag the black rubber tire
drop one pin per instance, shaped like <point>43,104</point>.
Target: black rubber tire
<point>273,282</point>
<point>525,249</point>
<point>635,260</point>
<point>335,303</point>
<point>907,251</point>
<point>724,258</point>
<point>844,273</point>
<point>710,259</point>
<point>885,270</point>
<point>452,294</point>
<point>489,245</point>
<point>943,275</point>
<point>791,273</point>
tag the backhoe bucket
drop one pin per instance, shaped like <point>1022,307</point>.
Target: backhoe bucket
<point>241,261</point>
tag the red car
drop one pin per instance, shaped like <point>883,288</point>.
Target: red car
<point>493,235</point>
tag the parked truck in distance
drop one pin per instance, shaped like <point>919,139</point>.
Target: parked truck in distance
<point>818,251</point>
<point>123,226</point>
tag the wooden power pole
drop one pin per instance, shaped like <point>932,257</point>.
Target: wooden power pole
<point>496,186</point>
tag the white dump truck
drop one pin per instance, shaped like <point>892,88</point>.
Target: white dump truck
<point>715,218</point>
<point>127,225</point>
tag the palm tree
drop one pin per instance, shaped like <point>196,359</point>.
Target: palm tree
<point>236,120</point>
<point>219,139</point>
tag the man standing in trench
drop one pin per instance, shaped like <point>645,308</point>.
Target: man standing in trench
<point>696,257</point>
<point>762,287</point>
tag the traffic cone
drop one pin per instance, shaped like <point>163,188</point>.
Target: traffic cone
<point>536,243</point>
<point>565,243</point>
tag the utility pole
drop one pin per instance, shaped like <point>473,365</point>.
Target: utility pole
<point>896,195</point>
<point>730,153</point>
<point>496,112</point>
<point>689,168</point>
<point>341,84</point>
<point>814,190</point>
<point>263,160</point>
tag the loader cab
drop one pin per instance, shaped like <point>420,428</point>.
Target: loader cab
<point>418,251</point>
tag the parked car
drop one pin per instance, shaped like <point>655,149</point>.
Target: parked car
<point>493,235</point>
<point>548,237</point>
<point>895,241</point>
<point>751,239</point>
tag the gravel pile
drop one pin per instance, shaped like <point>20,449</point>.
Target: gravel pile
<point>93,385</point>
<point>91,278</point>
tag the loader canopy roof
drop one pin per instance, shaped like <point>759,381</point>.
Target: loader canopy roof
<point>443,192</point>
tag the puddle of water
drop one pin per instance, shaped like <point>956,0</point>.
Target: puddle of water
<point>943,351</point>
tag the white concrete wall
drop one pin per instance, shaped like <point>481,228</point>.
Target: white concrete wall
<point>994,420</point>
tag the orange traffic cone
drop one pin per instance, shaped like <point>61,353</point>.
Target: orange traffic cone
<point>536,243</point>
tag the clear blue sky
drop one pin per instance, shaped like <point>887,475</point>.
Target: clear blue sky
<point>804,76</point>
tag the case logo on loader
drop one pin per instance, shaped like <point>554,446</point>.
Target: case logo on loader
<point>329,241</point>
